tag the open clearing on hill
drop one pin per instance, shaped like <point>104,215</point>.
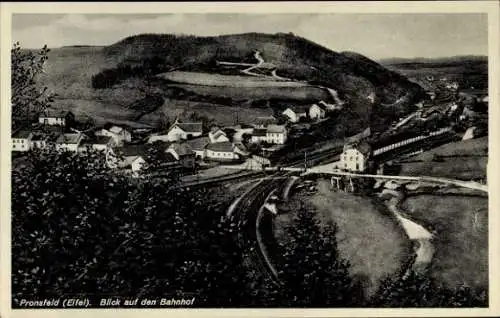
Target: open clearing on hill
<point>199,78</point>
<point>369,236</point>
<point>245,93</point>
<point>461,238</point>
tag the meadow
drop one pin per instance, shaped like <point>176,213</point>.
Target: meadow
<point>369,237</point>
<point>460,225</point>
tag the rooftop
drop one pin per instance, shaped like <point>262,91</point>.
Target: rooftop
<point>265,120</point>
<point>190,127</point>
<point>52,113</point>
<point>198,144</point>
<point>182,149</point>
<point>276,129</point>
<point>98,140</point>
<point>225,146</point>
<point>69,138</point>
<point>21,134</point>
<point>116,129</point>
<point>259,132</point>
<point>133,150</point>
<point>362,147</point>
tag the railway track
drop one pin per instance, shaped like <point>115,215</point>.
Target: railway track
<point>245,214</point>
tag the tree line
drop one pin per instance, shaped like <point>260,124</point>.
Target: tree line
<point>109,77</point>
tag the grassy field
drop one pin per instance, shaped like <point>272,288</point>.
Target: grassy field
<point>298,93</point>
<point>198,78</point>
<point>369,238</point>
<point>462,236</point>
<point>460,160</point>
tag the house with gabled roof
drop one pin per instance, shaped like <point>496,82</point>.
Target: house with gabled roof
<point>69,141</point>
<point>98,143</point>
<point>56,118</point>
<point>198,146</point>
<point>295,113</point>
<point>264,121</point>
<point>178,131</point>
<point>355,156</point>
<point>21,140</point>
<point>221,151</point>
<point>119,134</point>
<point>182,153</point>
<point>273,134</point>
<point>317,112</point>
<point>217,135</point>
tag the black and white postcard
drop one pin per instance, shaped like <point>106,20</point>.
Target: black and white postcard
<point>233,158</point>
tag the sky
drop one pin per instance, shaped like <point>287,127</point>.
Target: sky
<point>377,36</point>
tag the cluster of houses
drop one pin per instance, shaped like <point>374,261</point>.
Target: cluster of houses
<point>315,112</point>
<point>184,143</point>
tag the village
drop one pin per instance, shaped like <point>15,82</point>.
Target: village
<point>191,147</point>
<point>185,144</point>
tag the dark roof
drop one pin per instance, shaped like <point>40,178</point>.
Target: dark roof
<point>40,136</point>
<point>259,132</point>
<point>68,138</point>
<point>265,120</point>
<point>169,157</point>
<point>197,144</point>
<point>276,129</point>
<point>362,147</point>
<point>21,134</point>
<point>217,133</point>
<point>133,150</point>
<point>182,149</point>
<point>55,113</point>
<point>98,140</point>
<point>190,127</point>
<point>225,146</point>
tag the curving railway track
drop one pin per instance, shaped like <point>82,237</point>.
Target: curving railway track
<point>254,230</point>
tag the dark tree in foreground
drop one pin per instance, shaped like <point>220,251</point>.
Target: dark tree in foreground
<point>314,272</point>
<point>28,96</point>
<point>417,289</point>
<point>78,227</point>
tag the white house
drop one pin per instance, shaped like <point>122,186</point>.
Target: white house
<point>179,131</point>
<point>316,112</point>
<point>119,134</point>
<point>274,134</point>
<point>132,163</point>
<point>217,135</point>
<point>56,118</point>
<point>69,142</point>
<point>39,141</point>
<point>355,157</point>
<point>131,157</point>
<point>21,140</point>
<point>221,151</point>
<point>99,143</point>
<point>294,114</point>
<point>264,121</point>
